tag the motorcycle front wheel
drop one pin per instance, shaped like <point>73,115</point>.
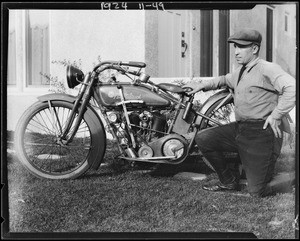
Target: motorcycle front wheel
<point>39,145</point>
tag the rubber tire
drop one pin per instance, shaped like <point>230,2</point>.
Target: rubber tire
<point>97,139</point>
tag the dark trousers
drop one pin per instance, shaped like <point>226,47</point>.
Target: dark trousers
<point>258,150</point>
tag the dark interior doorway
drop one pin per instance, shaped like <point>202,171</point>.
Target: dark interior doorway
<point>224,16</point>
<point>206,42</point>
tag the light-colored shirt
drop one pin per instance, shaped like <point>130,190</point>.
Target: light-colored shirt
<point>264,89</point>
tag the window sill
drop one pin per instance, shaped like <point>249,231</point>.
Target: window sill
<point>13,90</point>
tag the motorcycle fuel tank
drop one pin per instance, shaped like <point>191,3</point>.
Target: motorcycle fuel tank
<point>110,95</point>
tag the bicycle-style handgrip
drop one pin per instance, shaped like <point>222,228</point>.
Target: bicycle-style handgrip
<point>134,64</point>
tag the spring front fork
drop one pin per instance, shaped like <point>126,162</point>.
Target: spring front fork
<point>85,94</point>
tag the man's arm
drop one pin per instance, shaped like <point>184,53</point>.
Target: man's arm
<point>285,84</point>
<point>286,87</point>
<point>209,84</point>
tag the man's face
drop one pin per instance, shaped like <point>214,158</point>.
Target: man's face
<point>244,53</point>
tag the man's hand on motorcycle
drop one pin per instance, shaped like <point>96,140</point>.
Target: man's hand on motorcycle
<point>192,88</point>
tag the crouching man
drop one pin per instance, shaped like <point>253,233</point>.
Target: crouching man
<point>263,95</point>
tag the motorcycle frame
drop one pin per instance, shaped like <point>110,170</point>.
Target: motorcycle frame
<point>88,91</point>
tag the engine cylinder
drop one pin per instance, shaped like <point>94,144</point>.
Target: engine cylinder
<point>159,122</point>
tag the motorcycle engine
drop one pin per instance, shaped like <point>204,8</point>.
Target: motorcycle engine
<point>149,130</point>
<point>148,125</point>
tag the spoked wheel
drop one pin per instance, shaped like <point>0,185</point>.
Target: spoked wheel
<point>41,149</point>
<point>223,113</point>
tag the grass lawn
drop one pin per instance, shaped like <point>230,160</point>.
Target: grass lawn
<point>108,201</point>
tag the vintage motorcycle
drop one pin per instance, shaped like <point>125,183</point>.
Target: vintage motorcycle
<point>61,136</point>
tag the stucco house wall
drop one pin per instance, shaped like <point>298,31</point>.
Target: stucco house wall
<point>151,42</point>
<point>90,34</point>
<point>86,35</point>
<point>285,44</point>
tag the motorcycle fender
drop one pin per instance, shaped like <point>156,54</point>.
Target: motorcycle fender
<point>57,96</point>
<point>210,101</point>
<point>96,119</point>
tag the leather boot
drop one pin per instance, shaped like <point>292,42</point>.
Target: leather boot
<point>221,187</point>
<point>228,182</point>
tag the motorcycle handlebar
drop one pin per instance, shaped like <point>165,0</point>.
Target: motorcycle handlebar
<point>117,66</point>
<point>134,64</point>
<point>120,63</point>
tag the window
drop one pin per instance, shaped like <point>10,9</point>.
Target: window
<point>28,28</point>
<point>11,63</point>
<point>38,47</point>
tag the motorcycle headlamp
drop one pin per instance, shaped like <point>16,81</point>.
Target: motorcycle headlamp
<point>74,76</point>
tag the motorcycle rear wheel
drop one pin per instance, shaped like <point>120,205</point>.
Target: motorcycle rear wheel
<point>223,113</point>
<point>38,144</point>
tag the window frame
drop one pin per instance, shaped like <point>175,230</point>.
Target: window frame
<point>21,28</point>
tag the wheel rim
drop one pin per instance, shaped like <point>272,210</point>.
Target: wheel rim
<point>44,148</point>
<point>224,115</point>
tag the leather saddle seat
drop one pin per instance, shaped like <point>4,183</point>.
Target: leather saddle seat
<point>172,88</point>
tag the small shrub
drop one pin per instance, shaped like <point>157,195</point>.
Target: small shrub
<point>65,63</point>
<point>56,86</point>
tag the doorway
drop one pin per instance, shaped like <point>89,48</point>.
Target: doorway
<point>269,37</point>
<point>171,33</point>
<point>206,42</point>
<point>224,16</point>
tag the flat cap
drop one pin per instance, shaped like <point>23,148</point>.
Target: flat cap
<point>246,37</point>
